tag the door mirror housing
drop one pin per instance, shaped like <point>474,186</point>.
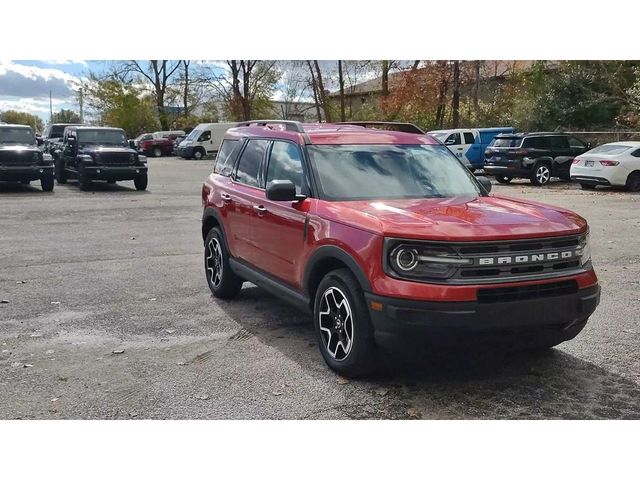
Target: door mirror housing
<point>485,182</point>
<point>282,191</point>
<point>71,141</point>
<point>450,141</point>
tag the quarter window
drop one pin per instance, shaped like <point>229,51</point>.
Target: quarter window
<point>249,164</point>
<point>536,142</point>
<point>285,164</point>
<point>636,153</point>
<point>224,159</point>
<point>559,142</point>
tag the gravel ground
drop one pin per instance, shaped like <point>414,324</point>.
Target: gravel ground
<point>108,315</point>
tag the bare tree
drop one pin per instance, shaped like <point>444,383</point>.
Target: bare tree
<point>455,101</point>
<point>158,73</point>
<point>322,93</point>
<point>185,91</point>
<point>314,87</point>
<point>343,116</point>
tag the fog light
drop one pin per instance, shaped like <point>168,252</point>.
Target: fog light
<point>41,171</point>
<point>98,171</point>
<point>137,171</point>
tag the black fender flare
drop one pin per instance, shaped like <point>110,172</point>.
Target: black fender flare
<point>334,252</point>
<point>211,213</point>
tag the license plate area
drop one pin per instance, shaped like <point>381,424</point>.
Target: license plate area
<point>588,163</point>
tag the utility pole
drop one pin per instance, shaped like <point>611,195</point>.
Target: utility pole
<point>50,107</point>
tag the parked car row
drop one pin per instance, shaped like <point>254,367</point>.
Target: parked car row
<point>70,151</point>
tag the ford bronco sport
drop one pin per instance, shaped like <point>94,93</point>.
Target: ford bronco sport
<point>382,235</point>
<point>99,153</point>
<point>20,158</point>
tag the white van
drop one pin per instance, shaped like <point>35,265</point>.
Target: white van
<point>205,139</point>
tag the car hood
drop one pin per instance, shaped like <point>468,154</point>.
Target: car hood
<point>18,148</point>
<point>102,149</point>
<point>456,219</point>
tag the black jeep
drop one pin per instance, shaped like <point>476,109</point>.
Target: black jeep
<point>52,137</point>
<point>20,158</point>
<point>536,156</point>
<point>99,153</point>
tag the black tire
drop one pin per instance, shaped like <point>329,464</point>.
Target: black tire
<point>222,282</point>
<point>633,182</point>
<point>349,355</point>
<point>198,154</point>
<point>25,182</point>
<point>157,152</point>
<point>47,183</point>
<point>504,179</point>
<point>61,175</point>
<point>141,181</point>
<point>541,174</point>
<point>587,186</point>
<point>83,180</point>
<point>111,182</point>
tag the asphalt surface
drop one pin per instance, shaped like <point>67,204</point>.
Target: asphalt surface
<point>108,315</point>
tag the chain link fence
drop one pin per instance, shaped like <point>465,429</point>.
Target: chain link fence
<point>601,137</point>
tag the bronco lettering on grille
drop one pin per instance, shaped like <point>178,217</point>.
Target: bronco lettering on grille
<point>533,258</point>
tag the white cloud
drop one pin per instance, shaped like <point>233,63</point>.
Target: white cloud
<point>67,62</point>
<point>24,81</point>
<point>34,106</point>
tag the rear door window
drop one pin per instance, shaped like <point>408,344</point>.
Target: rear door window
<point>249,164</point>
<point>540,143</point>
<point>575,143</point>
<point>469,138</point>
<point>224,159</point>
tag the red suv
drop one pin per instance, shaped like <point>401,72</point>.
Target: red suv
<point>382,235</point>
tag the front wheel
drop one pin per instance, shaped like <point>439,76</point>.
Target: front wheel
<point>198,154</point>
<point>343,325</point>
<point>222,281</point>
<point>141,182</point>
<point>503,179</point>
<point>47,183</point>
<point>541,174</point>
<point>83,179</point>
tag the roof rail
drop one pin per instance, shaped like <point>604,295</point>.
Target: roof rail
<point>397,126</point>
<point>290,125</point>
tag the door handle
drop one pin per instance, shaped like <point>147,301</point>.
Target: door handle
<point>260,208</point>
<point>225,197</point>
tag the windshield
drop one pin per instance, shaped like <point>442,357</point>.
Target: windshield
<point>506,142</point>
<point>57,131</point>
<point>442,136</point>
<point>193,135</point>
<point>610,149</point>
<point>17,136</point>
<point>366,172</point>
<point>102,137</point>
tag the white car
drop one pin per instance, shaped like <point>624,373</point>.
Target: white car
<point>616,164</point>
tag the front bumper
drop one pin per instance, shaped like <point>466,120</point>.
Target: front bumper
<point>16,173</point>
<point>400,319</point>
<point>185,152</point>
<point>109,172</point>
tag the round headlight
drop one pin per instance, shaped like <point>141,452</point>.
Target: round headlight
<point>132,157</point>
<point>406,258</point>
<point>36,156</point>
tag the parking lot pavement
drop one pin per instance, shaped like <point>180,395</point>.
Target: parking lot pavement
<point>108,315</point>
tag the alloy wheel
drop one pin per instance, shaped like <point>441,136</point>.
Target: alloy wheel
<point>336,323</point>
<point>214,262</point>
<point>543,174</point>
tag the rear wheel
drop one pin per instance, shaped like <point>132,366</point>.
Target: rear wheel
<point>503,179</point>
<point>47,183</point>
<point>343,325</point>
<point>587,186</point>
<point>541,174</point>
<point>157,152</point>
<point>141,182</point>
<point>633,182</point>
<point>222,282</point>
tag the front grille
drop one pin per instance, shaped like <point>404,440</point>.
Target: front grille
<point>18,158</point>
<point>528,292</point>
<point>115,158</point>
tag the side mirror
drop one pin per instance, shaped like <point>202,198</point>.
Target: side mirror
<point>39,141</point>
<point>450,142</point>
<point>281,191</point>
<point>589,146</point>
<point>71,141</point>
<point>485,182</point>
<point>132,144</point>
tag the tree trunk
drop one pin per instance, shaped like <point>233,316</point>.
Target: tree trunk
<point>185,97</point>
<point>455,101</point>
<point>476,85</point>
<point>343,116</point>
<point>385,77</point>
<point>322,94</point>
<point>314,88</point>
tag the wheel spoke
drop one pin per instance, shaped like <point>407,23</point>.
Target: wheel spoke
<point>336,323</point>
